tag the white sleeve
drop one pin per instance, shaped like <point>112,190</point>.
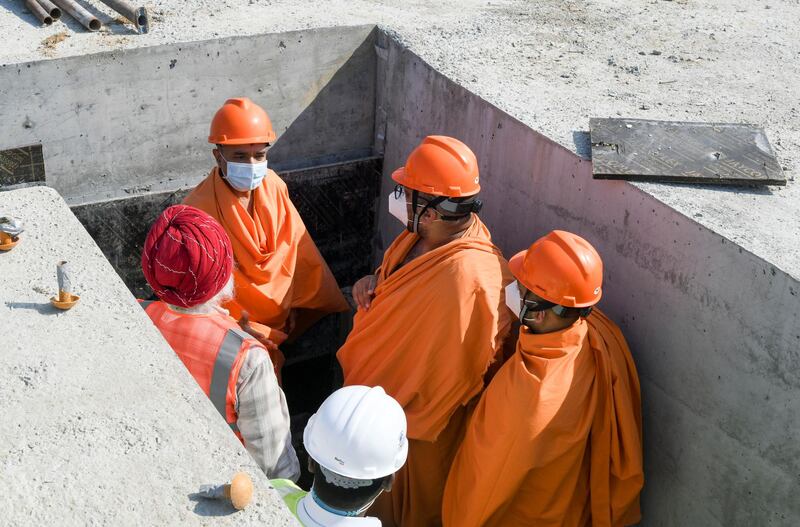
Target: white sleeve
<point>263,417</point>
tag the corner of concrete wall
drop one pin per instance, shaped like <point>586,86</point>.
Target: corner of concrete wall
<point>715,331</point>
<point>129,122</point>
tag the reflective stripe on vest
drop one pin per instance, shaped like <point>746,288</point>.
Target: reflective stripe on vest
<point>215,367</point>
<point>228,351</point>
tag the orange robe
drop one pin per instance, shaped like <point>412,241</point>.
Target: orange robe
<point>556,438</point>
<point>433,327</point>
<point>278,265</point>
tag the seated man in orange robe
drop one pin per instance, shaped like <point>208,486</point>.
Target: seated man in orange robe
<point>556,438</point>
<point>431,320</point>
<point>281,280</point>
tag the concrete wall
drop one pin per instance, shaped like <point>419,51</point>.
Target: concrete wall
<point>127,122</point>
<point>715,331</point>
<point>102,424</point>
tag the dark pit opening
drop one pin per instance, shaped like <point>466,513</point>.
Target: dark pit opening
<point>338,205</point>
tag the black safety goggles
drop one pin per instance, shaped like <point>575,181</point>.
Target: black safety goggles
<point>531,305</point>
<point>448,209</point>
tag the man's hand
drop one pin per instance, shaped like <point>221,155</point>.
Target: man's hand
<point>364,290</point>
<point>291,321</point>
<point>244,323</point>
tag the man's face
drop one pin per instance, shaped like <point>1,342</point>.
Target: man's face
<point>255,153</point>
<point>533,319</point>
<point>425,219</point>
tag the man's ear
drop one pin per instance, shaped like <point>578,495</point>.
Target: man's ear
<point>387,483</point>
<point>429,215</point>
<point>535,316</point>
<point>312,465</point>
<point>217,155</point>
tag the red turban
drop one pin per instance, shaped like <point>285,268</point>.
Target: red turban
<point>187,257</point>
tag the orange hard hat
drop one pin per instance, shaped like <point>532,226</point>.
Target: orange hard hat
<point>240,121</point>
<point>441,166</point>
<point>562,268</point>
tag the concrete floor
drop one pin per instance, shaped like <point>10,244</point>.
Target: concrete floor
<point>102,424</point>
<point>552,64</point>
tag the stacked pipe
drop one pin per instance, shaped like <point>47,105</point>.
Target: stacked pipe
<point>87,20</point>
<point>44,10</point>
<point>137,15</point>
<point>47,12</point>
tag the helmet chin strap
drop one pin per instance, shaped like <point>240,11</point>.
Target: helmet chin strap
<point>414,228</point>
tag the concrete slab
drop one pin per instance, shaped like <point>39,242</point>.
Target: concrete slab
<point>102,424</point>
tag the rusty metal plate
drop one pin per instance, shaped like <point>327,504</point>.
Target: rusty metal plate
<point>21,166</point>
<point>680,152</point>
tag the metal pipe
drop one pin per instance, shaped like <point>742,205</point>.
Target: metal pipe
<point>87,20</point>
<point>137,15</point>
<point>38,11</point>
<point>50,7</point>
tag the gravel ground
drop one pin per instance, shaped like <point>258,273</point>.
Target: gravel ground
<point>553,64</point>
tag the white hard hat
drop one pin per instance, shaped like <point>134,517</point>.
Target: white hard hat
<point>358,432</point>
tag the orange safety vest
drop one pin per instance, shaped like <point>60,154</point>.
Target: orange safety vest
<point>211,346</point>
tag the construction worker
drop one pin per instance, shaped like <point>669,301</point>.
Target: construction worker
<point>356,442</point>
<point>281,280</point>
<point>430,320</point>
<point>187,260</point>
<point>556,438</point>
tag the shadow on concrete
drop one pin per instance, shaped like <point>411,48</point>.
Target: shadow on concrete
<point>19,9</point>
<point>45,308</point>
<point>583,144</point>
<point>338,124</point>
<point>728,189</point>
<point>115,25</point>
<point>207,507</point>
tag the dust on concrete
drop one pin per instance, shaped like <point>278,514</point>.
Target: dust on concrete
<point>48,45</point>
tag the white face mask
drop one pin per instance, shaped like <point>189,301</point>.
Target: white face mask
<point>397,207</point>
<point>245,176</point>
<point>513,298</point>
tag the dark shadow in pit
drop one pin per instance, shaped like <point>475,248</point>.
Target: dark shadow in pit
<point>338,203</point>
